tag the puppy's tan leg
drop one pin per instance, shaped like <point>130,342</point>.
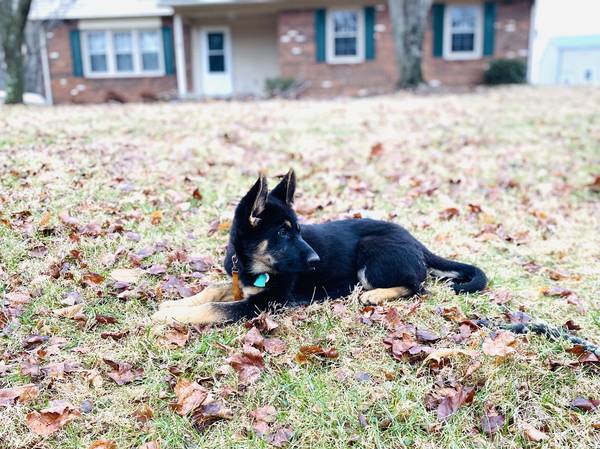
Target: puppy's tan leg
<point>213,293</point>
<point>379,296</point>
<point>200,314</point>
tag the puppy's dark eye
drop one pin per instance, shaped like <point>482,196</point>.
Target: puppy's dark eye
<point>283,232</point>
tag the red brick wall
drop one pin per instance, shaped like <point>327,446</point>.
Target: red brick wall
<point>297,59</point>
<point>69,89</point>
<point>297,56</point>
<point>512,41</point>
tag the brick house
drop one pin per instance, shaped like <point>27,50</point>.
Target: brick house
<point>136,50</point>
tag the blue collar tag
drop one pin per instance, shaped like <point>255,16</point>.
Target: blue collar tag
<point>261,280</point>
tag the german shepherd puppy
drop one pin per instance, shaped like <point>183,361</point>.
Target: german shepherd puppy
<point>279,261</point>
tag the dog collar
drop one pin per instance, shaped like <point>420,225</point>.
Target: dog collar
<point>261,280</point>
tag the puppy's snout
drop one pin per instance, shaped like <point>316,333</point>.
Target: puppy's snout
<point>313,260</point>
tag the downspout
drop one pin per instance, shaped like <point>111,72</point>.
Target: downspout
<point>532,35</point>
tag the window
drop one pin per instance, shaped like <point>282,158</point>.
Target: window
<point>123,45</point>
<point>216,52</point>
<point>96,45</point>
<point>345,32</point>
<point>463,32</point>
<point>122,52</point>
<point>150,50</point>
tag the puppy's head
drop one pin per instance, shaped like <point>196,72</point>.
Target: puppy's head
<point>265,231</point>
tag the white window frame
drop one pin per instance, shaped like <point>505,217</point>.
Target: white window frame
<point>331,57</point>
<point>477,52</point>
<point>134,44</point>
<point>112,72</point>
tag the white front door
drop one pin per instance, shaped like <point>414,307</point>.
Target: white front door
<point>215,53</point>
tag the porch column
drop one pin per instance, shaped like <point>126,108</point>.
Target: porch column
<point>180,57</point>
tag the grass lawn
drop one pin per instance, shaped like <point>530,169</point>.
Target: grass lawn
<point>498,178</point>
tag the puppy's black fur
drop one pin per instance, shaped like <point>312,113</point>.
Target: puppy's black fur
<point>314,262</point>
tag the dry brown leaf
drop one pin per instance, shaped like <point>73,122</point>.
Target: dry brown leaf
<point>491,420</point>
<point>502,345</point>
<point>24,393</point>
<point>93,278</point>
<point>175,337</point>
<point>275,346</point>
<point>151,445</point>
<point>156,217</point>
<point>534,434</point>
<point>280,438</point>
<point>126,275</point>
<point>449,213</point>
<point>51,419</point>
<point>376,150</point>
<point>263,322</point>
<point>315,352</point>
<point>103,444</point>
<point>443,353</point>
<point>453,399</point>
<point>210,412</point>
<point>123,373</point>
<point>69,311</point>
<point>248,365</point>
<point>45,219</point>
<point>263,416</point>
<point>585,404</point>
<point>93,377</point>
<point>254,338</point>
<point>190,396</point>
<point>143,413</point>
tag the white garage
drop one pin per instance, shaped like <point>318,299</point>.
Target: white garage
<point>573,60</point>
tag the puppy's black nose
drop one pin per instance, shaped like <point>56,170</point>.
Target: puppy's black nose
<point>313,260</point>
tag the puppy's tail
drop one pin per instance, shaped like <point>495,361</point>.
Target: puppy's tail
<point>465,278</point>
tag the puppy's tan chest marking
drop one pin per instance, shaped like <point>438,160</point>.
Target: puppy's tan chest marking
<point>262,261</point>
<point>251,290</point>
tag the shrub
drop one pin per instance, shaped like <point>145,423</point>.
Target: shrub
<point>506,71</point>
<point>281,87</point>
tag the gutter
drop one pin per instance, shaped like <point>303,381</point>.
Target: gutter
<point>45,66</point>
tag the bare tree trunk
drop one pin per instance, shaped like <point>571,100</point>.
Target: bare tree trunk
<point>409,21</point>
<point>13,18</point>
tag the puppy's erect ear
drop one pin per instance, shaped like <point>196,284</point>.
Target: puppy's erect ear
<point>285,190</point>
<point>255,200</point>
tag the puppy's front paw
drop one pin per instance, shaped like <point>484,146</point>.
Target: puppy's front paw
<point>169,315</point>
<point>168,304</point>
<point>202,314</point>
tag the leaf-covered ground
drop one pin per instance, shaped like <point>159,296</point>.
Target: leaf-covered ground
<point>108,210</point>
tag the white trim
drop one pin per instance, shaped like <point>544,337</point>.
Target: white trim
<point>330,37</point>
<point>227,53</point>
<point>111,71</point>
<point>45,66</point>
<point>96,9</point>
<point>180,56</point>
<point>114,24</point>
<point>477,52</point>
<point>196,48</point>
